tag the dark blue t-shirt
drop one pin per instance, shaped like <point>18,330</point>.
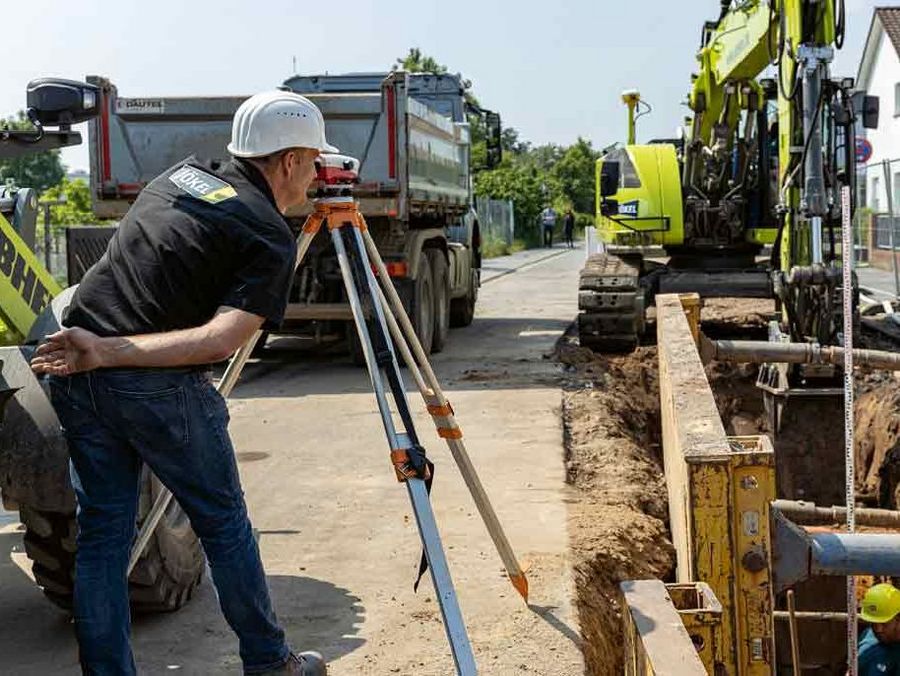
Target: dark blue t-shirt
<point>877,658</point>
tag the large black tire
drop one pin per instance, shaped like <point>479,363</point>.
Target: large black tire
<point>422,307</point>
<point>163,580</point>
<point>440,279</point>
<point>462,310</point>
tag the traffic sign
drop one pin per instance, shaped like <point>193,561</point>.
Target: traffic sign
<point>863,150</point>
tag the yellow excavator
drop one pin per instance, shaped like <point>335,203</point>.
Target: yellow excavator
<point>760,162</point>
<point>749,202</point>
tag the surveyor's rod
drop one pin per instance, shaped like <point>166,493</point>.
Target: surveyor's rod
<point>224,387</point>
<point>454,624</point>
<point>434,395</point>
<point>849,455</point>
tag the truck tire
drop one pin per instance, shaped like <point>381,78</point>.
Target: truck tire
<point>163,580</point>
<point>462,310</point>
<point>440,277</point>
<point>422,306</point>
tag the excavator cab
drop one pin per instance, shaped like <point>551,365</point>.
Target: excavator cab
<point>639,196</point>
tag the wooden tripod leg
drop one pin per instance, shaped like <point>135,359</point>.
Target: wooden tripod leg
<point>442,414</point>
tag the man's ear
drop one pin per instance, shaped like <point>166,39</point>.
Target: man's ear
<point>286,164</point>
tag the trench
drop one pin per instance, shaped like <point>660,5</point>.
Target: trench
<point>618,519</point>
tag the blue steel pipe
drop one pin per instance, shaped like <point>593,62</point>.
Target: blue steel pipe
<point>857,554</point>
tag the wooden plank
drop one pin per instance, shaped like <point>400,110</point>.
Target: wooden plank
<point>661,644</point>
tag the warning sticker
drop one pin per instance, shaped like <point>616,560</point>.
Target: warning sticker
<point>140,106</point>
<point>201,185</point>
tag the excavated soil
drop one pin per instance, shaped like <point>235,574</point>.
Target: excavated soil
<point>619,520</point>
<point>618,524</point>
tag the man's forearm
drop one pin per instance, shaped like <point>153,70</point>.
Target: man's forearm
<point>188,347</point>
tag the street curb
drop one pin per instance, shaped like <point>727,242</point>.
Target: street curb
<point>553,254</point>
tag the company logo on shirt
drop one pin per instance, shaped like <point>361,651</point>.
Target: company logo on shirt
<point>201,185</point>
<point>629,209</point>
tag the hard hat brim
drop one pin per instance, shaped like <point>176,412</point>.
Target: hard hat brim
<point>877,619</point>
<point>327,148</point>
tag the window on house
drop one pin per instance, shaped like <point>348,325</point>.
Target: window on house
<point>897,100</point>
<point>895,194</point>
<point>876,196</point>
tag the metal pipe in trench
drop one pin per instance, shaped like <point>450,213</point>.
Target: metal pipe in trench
<point>809,514</point>
<point>846,554</point>
<point>760,351</point>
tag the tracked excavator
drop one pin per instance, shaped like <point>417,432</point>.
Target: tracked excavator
<point>758,167</point>
<point>748,203</point>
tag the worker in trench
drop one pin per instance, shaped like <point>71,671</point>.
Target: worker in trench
<point>879,646</point>
<point>203,260</point>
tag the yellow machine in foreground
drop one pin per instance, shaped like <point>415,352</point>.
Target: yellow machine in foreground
<point>761,162</point>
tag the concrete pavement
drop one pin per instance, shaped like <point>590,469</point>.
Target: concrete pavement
<point>336,530</point>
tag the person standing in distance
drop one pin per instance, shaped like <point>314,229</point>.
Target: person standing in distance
<point>548,223</point>
<point>202,260</point>
<point>569,228</point>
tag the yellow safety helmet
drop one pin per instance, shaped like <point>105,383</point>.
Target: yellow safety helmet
<point>880,604</point>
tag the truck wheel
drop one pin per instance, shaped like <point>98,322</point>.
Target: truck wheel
<point>164,579</point>
<point>422,308</point>
<point>440,278</point>
<point>462,310</point>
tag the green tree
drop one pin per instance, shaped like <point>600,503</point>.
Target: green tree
<point>575,172</point>
<point>37,170</point>
<point>529,189</point>
<point>77,209</point>
<point>416,62</point>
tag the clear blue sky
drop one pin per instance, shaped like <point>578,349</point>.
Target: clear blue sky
<point>554,70</point>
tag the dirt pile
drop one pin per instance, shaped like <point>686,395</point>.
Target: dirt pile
<point>618,525</point>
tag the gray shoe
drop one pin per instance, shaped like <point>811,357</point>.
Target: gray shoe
<point>303,664</point>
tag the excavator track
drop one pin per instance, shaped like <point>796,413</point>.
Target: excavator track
<point>611,304</point>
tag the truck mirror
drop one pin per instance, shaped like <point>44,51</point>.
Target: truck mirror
<point>493,139</point>
<point>61,103</point>
<point>609,179</point>
<point>609,207</point>
<point>870,112</point>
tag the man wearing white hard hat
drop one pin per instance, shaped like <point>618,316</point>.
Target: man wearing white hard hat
<point>202,260</point>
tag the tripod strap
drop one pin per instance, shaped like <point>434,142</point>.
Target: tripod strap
<point>412,463</point>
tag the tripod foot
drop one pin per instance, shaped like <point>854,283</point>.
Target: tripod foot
<point>520,582</point>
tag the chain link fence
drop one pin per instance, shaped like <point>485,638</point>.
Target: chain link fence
<point>496,219</point>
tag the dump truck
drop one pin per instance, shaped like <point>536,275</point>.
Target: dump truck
<point>411,135</point>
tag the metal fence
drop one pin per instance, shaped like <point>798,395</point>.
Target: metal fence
<point>56,262</point>
<point>496,219</point>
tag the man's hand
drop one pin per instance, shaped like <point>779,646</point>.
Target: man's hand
<point>66,352</point>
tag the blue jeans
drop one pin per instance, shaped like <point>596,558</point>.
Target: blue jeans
<point>174,421</point>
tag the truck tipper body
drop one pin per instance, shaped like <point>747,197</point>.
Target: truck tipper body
<point>412,138</point>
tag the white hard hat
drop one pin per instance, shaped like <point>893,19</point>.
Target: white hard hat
<point>277,120</point>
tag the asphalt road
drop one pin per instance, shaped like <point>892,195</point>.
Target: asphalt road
<point>336,530</point>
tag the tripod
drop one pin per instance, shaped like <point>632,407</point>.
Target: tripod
<point>384,328</point>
